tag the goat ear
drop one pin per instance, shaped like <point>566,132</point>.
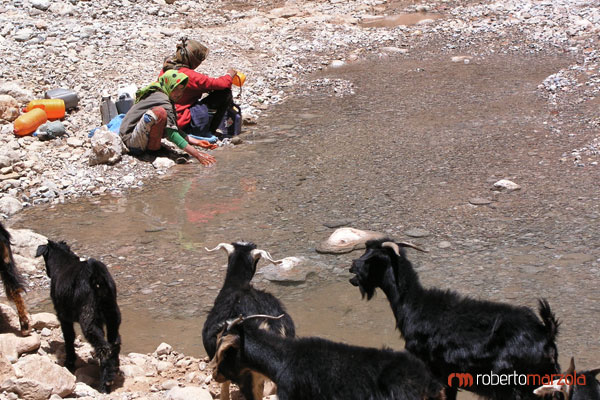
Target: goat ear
<point>227,343</point>
<point>41,250</point>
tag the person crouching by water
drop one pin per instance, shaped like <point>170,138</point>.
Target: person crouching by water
<point>192,108</point>
<point>153,117</point>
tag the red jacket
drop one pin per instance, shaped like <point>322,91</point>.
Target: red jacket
<point>198,84</point>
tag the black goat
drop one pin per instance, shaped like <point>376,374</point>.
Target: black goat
<point>13,285</point>
<point>84,292</point>
<point>459,335</point>
<point>319,369</point>
<point>238,296</point>
<point>573,385</point>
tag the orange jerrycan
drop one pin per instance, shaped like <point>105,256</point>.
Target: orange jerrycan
<point>55,108</point>
<point>239,79</point>
<point>27,123</point>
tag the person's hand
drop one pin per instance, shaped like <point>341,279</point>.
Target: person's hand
<point>205,159</point>
<point>206,145</point>
<point>231,72</point>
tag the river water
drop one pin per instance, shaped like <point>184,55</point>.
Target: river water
<point>420,137</point>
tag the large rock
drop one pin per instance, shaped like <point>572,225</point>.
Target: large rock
<point>107,147</point>
<point>9,318</point>
<point>28,265</point>
<point>13,346</point>
<point>345,240</point>
<point>43,370</point>
<point>44,320</point>
<point>188,393</point>
<point>25,242</point>
<point>27,389</point>
<point>15,90</point>
<point>10,206</point>
<point>6,369</point>
<point>9,108</point>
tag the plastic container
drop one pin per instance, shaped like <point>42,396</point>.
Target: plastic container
<point>130,89</point>
<point>108,110</point>
<point>124,103</point>
<point>27,123</point>
<point>55,108</point>
<point>239,79</point>
<point>70,98</point>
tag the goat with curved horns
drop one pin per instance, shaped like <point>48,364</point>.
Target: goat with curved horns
<point>319,369</point>
<point>239,297</point>
<point>457,334</point>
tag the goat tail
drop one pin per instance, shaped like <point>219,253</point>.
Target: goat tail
<point>8,271</point>
<point>101,281</point>
<point>550,321</point>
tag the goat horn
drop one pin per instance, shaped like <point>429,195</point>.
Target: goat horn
<point>413,246</point>
<point>240,319</point>
<point>392,246</point>
<point>228,248</point>
<point>256,253</point>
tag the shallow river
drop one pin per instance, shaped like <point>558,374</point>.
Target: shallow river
<point>419,139</point>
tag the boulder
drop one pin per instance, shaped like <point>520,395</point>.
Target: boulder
<point>44,320</point>
<point>107,147</point>
<point>9,319</point>
<point>43,370</point>
<point>13,346</point>
<point>10,206</point>
<point>25,242</point>
<point>345,240</point>
<point>27,389</point>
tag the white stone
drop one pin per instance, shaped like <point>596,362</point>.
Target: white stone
<point>83,390</point>
<point>107,147</point>
<point>169,384</point>
<point>189,393</point>
<point>163,163</point>
<point>163,349</point>
<point>40,4</point>
<point>505,184</point>
<point>10,206</point>
<point>131,371</point>
<point>9,108</point>
<point>44,320</point>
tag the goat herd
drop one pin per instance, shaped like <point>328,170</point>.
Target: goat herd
<point>495,350</point>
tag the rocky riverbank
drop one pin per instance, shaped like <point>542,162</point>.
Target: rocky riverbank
<point>96,47</point>
<point>29,368</point>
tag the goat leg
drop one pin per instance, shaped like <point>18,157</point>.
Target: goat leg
<point>69,336</point>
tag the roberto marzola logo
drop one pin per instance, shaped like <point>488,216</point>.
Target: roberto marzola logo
<point>466,380</point>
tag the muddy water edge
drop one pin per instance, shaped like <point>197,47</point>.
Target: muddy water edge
<point>420,137</point>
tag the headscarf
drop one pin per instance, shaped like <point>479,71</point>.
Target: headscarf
<point>189,54</point>
<point>166,83</point>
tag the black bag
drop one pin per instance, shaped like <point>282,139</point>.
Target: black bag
<point>231,125</point>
